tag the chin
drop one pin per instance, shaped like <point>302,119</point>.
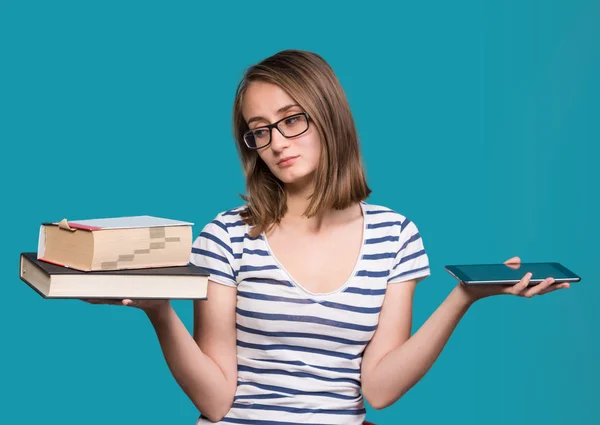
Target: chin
<point>295,178</point>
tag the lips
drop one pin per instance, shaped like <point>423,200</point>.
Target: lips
<point>288,160</point>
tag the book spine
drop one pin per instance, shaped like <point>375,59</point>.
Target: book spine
<point>41,241</point>
<point>53,262</point>
<point>84,227</point>
<point>26,280</point>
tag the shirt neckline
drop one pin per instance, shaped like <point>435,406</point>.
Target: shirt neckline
<point>345,284</point>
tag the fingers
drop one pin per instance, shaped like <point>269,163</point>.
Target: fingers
<point>518,288</point>
<point>140,303</point>
<point>554,287</point>
<point>542,286</point>
<point>103,301</point>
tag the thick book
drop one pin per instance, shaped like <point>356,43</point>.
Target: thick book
<point>118,243</point>
<point>52,281</point>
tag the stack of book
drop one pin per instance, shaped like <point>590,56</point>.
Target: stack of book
<point>140,257</point>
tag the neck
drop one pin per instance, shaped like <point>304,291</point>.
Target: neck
<point>298,199</point>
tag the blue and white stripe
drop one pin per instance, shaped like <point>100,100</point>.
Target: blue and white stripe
<point>299,354</point>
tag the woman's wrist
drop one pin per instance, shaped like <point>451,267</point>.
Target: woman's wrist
<point>464,297</point>
<point>159,312</point>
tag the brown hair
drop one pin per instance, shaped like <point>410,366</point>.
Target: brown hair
<point>340,178</point>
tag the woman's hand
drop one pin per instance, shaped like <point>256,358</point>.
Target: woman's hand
<point>148,306</point>
<point>520,289</point>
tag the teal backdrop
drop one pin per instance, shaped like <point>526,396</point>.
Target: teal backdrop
<point>479,120</point>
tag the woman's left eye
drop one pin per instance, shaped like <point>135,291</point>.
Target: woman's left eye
<point>291,121</point>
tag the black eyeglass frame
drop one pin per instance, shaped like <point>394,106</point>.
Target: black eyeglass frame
<point>270,127</point>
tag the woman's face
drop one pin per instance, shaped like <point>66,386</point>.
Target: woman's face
<point>292,160</point>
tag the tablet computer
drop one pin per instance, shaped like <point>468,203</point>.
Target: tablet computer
<point>509,274</point>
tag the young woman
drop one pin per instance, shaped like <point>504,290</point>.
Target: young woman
<point>310,295</point>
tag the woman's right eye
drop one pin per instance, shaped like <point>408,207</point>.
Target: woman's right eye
<point>259,133</point>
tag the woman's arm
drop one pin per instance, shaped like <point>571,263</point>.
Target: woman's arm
<point>204,366</point>
<point>394,361</point>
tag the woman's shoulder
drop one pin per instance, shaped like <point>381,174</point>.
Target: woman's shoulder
<point>383,217</point>
<point>233,214</point>
<point>382,213</point>
<point>228,220</point>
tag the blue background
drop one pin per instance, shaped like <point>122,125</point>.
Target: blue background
<point>479,120</point>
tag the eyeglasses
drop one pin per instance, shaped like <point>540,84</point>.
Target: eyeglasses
<point>291,126</point>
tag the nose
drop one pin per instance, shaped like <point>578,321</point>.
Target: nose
<point>278,142</point>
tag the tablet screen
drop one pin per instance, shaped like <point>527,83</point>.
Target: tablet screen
<point>496,272</point>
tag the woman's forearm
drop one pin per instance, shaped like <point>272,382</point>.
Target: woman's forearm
<point>404,366</point>
<point>196,373</point>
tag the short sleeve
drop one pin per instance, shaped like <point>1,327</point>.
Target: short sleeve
<point>212,251</point>
<point>411,261</point>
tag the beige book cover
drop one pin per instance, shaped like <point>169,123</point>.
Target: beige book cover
<point>116,243</point>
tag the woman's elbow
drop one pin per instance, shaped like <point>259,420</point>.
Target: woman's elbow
<point>216,414</point>
<point>378,400</point>
<point>372,399</point>
<point>377,403</point>
<point>217,411</point>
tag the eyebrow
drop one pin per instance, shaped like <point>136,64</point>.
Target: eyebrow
<point>279,111</point>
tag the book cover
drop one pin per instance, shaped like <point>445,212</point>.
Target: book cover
<point>53,281</point>
<point>116,243</point>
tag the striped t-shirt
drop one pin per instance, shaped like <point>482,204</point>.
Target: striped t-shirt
<point>299,354</point>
